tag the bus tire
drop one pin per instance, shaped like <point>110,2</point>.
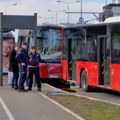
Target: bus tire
<point>84,81</point>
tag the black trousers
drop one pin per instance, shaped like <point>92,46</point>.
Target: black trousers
<point>32,71</point>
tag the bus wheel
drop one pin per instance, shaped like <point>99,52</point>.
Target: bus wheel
<point>84,81</point>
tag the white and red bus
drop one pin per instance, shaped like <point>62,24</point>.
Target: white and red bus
<point>49,46</point>
<point>91,55</point>
<point>51,43</point>
<point>48,41</point>
<point>88,55</point>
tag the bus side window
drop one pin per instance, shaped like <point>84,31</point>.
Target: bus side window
<point>116,55</point>
<point>80,49</point>
<point>91,49</point>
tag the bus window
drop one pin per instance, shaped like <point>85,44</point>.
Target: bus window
<point>77,36</point>
<point>48,43</point>
<point>64,47</point>
<point>80,48</point>
<point>116,48</point>
<point>87,48</point>
<point>91,48</point>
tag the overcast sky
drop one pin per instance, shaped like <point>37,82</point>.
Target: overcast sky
<point>41,7</point>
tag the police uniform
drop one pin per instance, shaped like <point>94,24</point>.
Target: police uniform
<point>22,57</point>
<point>34,69</point>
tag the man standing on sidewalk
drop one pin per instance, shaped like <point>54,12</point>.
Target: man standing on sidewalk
<point>13,66</point>
<point>23,61</point>
<point>34,68</point>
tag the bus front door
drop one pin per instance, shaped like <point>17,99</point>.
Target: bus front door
<point>104,60</point>
<point>71,60</point>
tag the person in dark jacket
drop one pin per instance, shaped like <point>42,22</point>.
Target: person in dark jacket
<point>34,68</point>
<point>23,61</point>
<point>13,66</point>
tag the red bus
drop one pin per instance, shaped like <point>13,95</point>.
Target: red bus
<point>88,55</point>
<point>91,55</point>
<point>48,41</point>
<point>52,43</point>
<point>49,46</point>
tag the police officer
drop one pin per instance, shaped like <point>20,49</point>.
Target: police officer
<point>23,61</point>
<point>34,68</point>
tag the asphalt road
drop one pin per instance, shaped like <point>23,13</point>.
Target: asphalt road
<point>103,95</point>
<point>99,94</point>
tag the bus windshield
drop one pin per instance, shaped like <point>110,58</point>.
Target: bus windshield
<point>48,43</point>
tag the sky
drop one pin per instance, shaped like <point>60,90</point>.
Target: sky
<point>41,7</point>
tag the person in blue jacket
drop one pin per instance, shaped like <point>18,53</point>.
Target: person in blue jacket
<point>34,68</point>
<point>23,61</point>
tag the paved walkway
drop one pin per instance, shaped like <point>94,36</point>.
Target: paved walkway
<point>31,105</point>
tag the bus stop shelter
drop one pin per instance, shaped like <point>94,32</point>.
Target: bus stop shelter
<point>11,22</point>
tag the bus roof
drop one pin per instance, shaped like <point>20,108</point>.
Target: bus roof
<point>108,21</point>
<point>112,19</point>
<point>51,26</point>
<point>57,26</point>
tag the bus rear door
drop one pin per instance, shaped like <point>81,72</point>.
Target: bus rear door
<point>104,60</point>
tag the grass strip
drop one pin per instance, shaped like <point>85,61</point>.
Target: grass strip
<point>88,109</point>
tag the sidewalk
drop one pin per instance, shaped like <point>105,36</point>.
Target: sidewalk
<point>32,105</point>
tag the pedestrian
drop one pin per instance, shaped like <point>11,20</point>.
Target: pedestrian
<point>13,66</point>
<point>23,61</point>
<point>34,68</point>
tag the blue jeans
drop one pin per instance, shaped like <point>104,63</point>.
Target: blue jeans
<point>22,76</point>
<point>15,79</point>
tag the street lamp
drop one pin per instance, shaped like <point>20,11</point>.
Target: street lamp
<point>106,2</point>
<point>56,13</point>
<point>68,6</point>
<point>46,18</point>
<point>81,9</point>
<point>7,6</point>
<point>81,18</point>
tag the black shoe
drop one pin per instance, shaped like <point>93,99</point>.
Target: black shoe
<point>39,89</point>
<point>15,88</point>
<point>22,90</point>
<point>29,89</point>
